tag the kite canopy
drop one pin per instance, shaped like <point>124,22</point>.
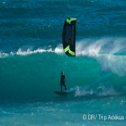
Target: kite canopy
<point>69,36</point>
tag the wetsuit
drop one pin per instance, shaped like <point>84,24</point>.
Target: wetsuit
<point>62,82</point>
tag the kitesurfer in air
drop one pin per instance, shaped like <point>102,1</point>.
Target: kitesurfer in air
<point>62,81</point>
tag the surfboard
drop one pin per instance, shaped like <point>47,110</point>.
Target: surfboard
<point>61,93</point>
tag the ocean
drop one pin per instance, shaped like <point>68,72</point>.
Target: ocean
<point>32,58</point>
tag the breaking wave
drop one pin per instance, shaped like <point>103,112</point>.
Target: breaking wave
<point>22,52</point>
<point>109,52</point>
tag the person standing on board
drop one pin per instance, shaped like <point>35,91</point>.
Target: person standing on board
<point>62,81</point>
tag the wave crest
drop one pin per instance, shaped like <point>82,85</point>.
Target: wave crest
<point>109,52</point>
<point>22,52</point>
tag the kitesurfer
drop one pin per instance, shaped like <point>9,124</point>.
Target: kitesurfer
<point>62,81</point>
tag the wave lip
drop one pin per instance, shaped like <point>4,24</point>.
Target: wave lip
<point>85,47</point>
<point>29,52</point>
<point>102,46</point>
<point>22,52</point>
<point>107,51</point>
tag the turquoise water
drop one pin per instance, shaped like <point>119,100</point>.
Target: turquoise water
<point>63,113</point>
<point>32,58</point>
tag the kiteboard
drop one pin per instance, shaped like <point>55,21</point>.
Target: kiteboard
<point>61,92</point>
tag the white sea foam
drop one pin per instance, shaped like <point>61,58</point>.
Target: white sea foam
<point>96,47</point>
<point>82,91</point>
<point>22,52</point>
<point>59,49</point>
<point>107,52</point>
<point>3,54</point>
<point>103,91</point>
<point>87,48</point>
<point>29,51</point>
<point>99,92</point>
